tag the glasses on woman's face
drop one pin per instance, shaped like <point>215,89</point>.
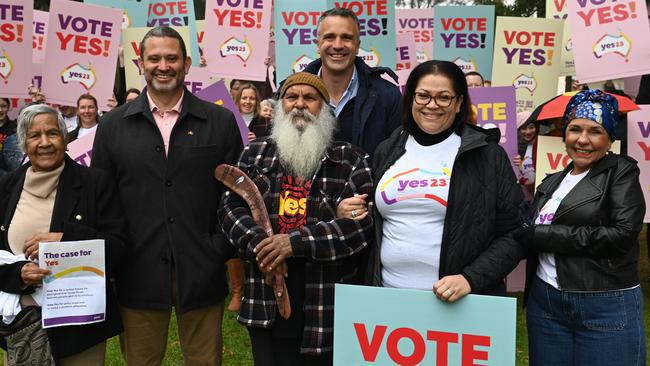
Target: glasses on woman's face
<point>442,100</point>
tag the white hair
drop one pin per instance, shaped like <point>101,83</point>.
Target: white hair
<point>268,103</point>
<point>301,146</point>
<point>26,118</point>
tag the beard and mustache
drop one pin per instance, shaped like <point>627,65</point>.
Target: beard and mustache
<point>302,138</point>
<point>176,81</point>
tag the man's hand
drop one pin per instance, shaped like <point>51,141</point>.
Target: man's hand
<point>272,251</point>
<point>276,277</point>
<point>31,244</point>
<point>32,275</point>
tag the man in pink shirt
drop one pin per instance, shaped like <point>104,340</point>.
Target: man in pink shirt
<point>162,149</point>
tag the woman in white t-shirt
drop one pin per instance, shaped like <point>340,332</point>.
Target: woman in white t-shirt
<point>584,302</point>
<point>445,195</point>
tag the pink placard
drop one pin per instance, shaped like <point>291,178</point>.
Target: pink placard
<point>237,38</point>
<point>406,54</point>
<point>610,38</point>
<point>638,147</point>
<point>81,52</point>
<point>39,32</point>
<point>198,78</point>
<point>81,149</point>
<point>418,22</point>
<point>15,48</point>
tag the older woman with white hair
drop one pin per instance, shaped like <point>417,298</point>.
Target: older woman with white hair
<point>52,199</point>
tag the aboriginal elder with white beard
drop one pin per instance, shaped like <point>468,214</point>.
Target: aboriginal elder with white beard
<point>302,174</point>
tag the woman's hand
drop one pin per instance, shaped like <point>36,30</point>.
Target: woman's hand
<point>251,136</point>
<point>32,275</point>
<point>354,208</point>
<point>517,160</point>
<point>31,244</point>
<point>451,288</point>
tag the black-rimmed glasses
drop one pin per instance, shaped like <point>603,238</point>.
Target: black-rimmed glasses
<point>441,100</point>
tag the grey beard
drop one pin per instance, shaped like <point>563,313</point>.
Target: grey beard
<point>302,147</point>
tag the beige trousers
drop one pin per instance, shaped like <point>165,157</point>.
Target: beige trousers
<point>144,339</point>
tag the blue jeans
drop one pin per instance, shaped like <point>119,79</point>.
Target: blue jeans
<point>585,328</point>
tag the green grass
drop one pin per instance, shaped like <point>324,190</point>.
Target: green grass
<point>237,344</point>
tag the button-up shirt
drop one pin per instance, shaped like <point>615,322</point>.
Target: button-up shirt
<point>166,120</point>
<point>349,93</point>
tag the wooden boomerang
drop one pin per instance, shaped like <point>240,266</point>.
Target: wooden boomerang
<point>238,182</point>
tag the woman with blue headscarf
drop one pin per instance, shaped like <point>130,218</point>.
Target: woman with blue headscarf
<point>584,302</point>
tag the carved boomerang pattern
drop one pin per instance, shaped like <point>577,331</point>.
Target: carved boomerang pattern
<point>238,182</point>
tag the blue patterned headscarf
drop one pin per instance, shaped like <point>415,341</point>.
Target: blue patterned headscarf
<point>596,106</point>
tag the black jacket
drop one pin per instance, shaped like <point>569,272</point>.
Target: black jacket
<point>483,206</point>
<point>170,200</point>
<point>594,233</point>
<point>260,126</point>
<point>85,208</point>
<point>377,106</point>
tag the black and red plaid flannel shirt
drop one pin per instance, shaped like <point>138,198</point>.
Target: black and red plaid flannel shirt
<point>328,244</point>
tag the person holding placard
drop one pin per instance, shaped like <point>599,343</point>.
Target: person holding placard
<point>52,199</point>
<point>446,195</point>
<point>584,301</point>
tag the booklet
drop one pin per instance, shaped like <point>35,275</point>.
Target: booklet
<point>75,292</point>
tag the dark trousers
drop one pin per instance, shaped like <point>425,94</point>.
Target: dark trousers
<point>275,351</point>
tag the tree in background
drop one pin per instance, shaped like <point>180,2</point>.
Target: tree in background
<point>520,8</point>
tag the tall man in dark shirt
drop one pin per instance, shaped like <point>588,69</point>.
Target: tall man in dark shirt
<point>162,149</point>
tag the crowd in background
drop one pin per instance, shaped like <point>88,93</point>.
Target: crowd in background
<point>333,140</point>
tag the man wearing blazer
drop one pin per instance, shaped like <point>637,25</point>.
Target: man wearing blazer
<point>162,149</point>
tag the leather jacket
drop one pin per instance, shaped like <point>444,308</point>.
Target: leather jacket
<point>594,232</point>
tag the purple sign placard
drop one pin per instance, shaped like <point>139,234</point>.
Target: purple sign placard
<point>496,108</point>
<point>217,93</point>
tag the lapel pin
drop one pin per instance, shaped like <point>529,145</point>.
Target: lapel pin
<point>78,217</point>
<point>190,133</point>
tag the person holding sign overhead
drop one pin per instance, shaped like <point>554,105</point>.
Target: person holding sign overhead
<point>585,305</point>
<point>52,199</point>
<point>446,195</point>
